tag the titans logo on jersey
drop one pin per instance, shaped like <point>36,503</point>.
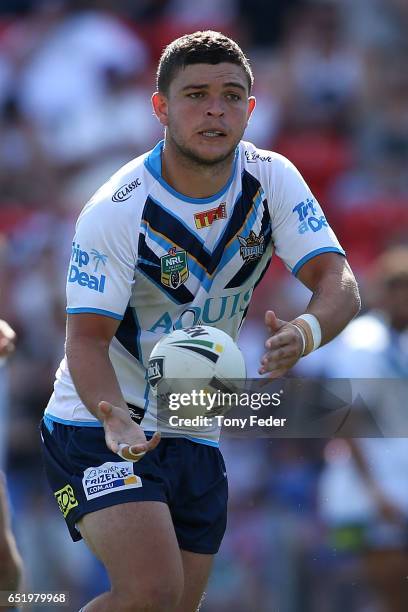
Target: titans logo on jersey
<point>170,261</point>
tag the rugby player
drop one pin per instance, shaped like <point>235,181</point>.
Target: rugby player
<point>177,237</point>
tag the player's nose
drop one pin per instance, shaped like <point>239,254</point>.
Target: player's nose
<point>215,108</point>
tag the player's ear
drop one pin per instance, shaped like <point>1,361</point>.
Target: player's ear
<point>160,107</point>
<point>251,107</point>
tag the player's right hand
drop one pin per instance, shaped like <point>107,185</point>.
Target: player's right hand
<point>123,436</point>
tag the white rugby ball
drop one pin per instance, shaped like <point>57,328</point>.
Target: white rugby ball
<point>195,358</point>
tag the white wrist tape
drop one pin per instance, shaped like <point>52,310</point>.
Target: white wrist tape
<point>311,332</point>
<point>303,336</point>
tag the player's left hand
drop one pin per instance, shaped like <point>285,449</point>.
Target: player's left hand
<point>284,347</point>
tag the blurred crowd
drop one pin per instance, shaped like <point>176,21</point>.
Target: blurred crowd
<point>76,76</point>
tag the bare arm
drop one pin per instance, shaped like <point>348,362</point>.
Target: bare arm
<point>87,348</point>
<point>335,302</point>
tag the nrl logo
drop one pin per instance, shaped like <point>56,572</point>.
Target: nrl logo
<point>252,247</point>
<point>174,268</point>
<point>207,217</point>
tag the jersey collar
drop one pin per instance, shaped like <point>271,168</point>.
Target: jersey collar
<point>153,164</point>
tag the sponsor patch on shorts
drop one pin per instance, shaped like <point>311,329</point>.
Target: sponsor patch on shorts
<point>109,478</point>
<point>66,499</point>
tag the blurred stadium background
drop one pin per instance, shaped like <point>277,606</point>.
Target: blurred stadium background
<point>331,79</point>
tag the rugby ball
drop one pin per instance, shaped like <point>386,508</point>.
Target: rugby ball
<point>199,358</point>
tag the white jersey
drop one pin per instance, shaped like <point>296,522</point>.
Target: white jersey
<point>157,260</point>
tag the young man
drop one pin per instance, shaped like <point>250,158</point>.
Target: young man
<point>179,236</point>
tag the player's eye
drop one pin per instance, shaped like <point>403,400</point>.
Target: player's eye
<point>233,97</point>
<point>195,95</point>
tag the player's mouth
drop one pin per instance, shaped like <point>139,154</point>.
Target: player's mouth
<point>212,134</point>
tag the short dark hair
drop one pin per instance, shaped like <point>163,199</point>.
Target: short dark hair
<point>206,47</point>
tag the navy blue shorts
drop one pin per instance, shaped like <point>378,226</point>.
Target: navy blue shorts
<point>189,477</point>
